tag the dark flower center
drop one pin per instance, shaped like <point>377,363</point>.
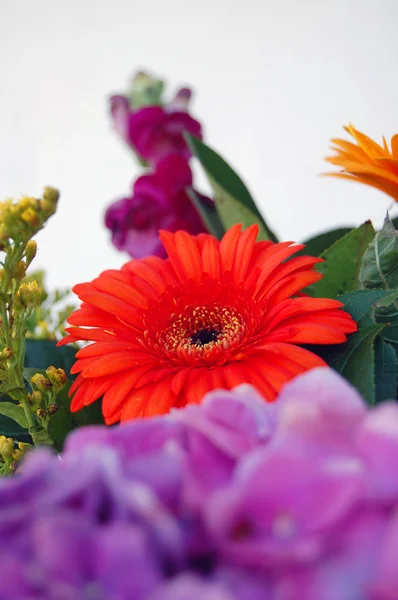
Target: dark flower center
<point>204,336</point>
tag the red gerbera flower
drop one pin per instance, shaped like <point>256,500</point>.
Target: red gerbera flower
<point>212,315</point>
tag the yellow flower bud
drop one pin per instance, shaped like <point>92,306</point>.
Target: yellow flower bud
<point>6,447</point>
<point>41,382</point>
<point>31,217</point>
<point>20,270</point>
<point>25,203</point>
<point>56,376</point>
<point>30,251</point>
<point>35,399</point>
<point>28,294</point>
<point>50,199</point>
<point>5,354</point>
<point>41,413</point>
<point>24,447</point>
<point>17,454</point>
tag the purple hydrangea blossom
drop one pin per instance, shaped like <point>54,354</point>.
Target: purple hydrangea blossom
<point>233,499</point>
<point>159,201</point>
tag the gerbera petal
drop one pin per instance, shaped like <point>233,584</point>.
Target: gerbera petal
<point>267,387</point>
<point>299,355</point>
<point>293,265</point>
<point>151,400</point>
<point>179,380</point>
<point>150,274</point>
<point>90,316</point>
<point>367,162</point>
<point>92,335</point>
<point>198,383</point>
<point>188,249</point>
<point>112,305</point>
<point>244,252</point>
<point>377,182</point>
<point>289,286</point>
<point>229,246</point>
<point>273,257</point>
<point>394,145</point>
<point>366,143</point>
<point>211,257</point>
<point>390,164</point>
<point>102,348</point>
<point>293,307</point>
<point>183,253</point>
<point>359,170</point>
<point>121,290</point>
<point>351,149</point>
<point>112,363</point>
<point>116,393</point>
<point>307,333</point>
<point>233,375</point>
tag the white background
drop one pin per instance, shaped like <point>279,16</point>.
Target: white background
<point>274,80</point>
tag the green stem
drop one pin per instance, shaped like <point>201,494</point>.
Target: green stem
<point>20,392</point>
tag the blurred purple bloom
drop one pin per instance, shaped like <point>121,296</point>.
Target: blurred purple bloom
<point>120,110</point>
<point>181,100</point>
<point>233,499</point>
<point>155,131</point>
<point>158,201</point>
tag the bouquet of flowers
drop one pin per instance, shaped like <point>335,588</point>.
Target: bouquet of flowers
<point>218,421</point>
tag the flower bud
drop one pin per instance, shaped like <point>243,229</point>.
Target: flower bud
<point>35,399</point>
<point>31,216</point>
<point>24,447</point>
<point>20,270</point>
<point>56,376</point>
<point>52,409</point>
<point>145,91</point>
<point>30,251</point>
<point>50,201</point>
<point>5,354</point>
<point>41,413</point>
<point>6,447</point>
<point>28,295</point>
<point>41,382</point>
<point>17,455</point>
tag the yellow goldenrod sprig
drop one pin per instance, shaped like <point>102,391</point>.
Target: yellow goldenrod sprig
<point>45,391</point>
<point>19,296</point>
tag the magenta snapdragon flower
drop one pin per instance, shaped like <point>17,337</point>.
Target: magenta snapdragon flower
<point>155,131</point>
<point>158,201</point>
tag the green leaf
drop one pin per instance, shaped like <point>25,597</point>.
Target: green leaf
<point>208,215</point>
<point>342,262</point>
<point>14,412</point>
<point>233,201</point>
<point>389,297</point>
<point>41,354</point>
<point>361,304</point>
<point>315,245</point>
<point>355,360</point>
<point>40,437</point>
<point>385,371</point>
<point>64,421</point>
<point>388,316</point>
<point>379,268</point>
